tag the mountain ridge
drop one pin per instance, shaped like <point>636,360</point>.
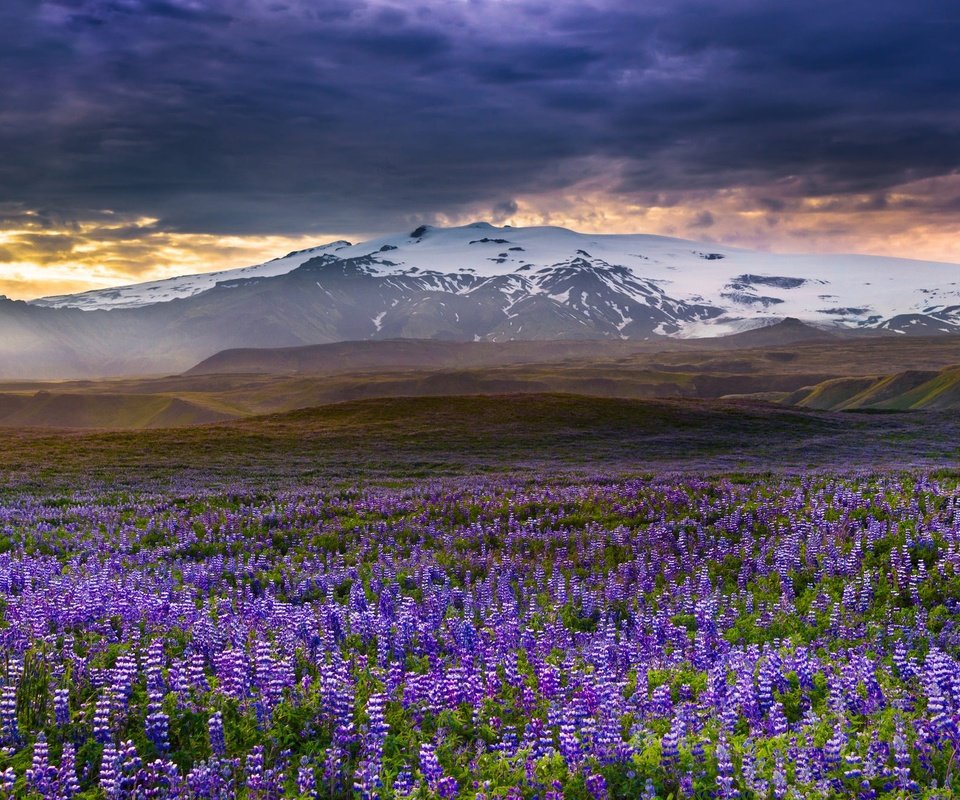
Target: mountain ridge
<point>472,283</point>
<point>409,353</point>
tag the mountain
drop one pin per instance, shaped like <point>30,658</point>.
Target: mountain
<point>141,294</point>
<point>378,355</point>
<point>788,331</point>
<point>407,354</point>
<point>472,283</point>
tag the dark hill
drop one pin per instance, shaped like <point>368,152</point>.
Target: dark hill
<point>405,437</point>
<point>401,354</point>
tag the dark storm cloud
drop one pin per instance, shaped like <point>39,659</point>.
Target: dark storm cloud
<point>238,116</point>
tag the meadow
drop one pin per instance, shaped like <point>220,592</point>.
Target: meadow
<point>536,596</point>
<point>694,636</point>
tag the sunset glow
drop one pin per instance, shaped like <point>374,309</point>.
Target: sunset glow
<point>913,221</point>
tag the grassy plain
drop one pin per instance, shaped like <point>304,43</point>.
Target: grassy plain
<point>403,438</point>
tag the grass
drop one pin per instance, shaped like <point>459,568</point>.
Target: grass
<point>407,437</point>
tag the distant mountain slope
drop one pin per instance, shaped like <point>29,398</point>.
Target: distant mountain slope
<point>398,354</point>
<point>393,354</point>
<point>473,283</point>
<point>910,390</point>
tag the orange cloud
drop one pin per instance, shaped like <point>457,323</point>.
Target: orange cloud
<point>36,262</point>
<point>917,220</point>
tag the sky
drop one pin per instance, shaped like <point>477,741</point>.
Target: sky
<point>146,138</point>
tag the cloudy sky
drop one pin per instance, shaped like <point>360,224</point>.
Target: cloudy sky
<point>146,138</point>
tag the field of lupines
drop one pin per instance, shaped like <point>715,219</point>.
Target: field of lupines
<point>691,637</point>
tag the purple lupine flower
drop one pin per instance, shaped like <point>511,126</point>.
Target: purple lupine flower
<point>555,792</point>
<point>66,780</point>
<point>218,744</point>
<point>110,774</point>
<point>725,772</point>
<point>833,749</point>
<point>61,706</point>
<point>102,731</point>
<point>7,780</point>
<point>196,675</point>
<point>462,620</point>
<point>779,779</point>
<point>852,770</point>
<point>213,780</point>
<point>154,670</point>
<point>749,768</point>
<point>938,712</point>
<point>129,768</point>
<point>306,779</point>
<point>802,767</point>
<point>902,764</point>
<point>367,781</point>
<point>403,784</point>
<point>777,719</point>
<point>596,786</point>
<point>124,677</point>
<point>429,765</point>
<point>158,727</point>
<point>333,767</point>
<point>9,730</point>
<point>570,747</point>
<point>40,775</point>
<point>256,779</point>
<point>669,745</point>
<point>159,779</point>
<point>447,787</point>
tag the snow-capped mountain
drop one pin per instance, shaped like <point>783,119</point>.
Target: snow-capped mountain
<point>142,294</point>
<point>693,289</point>
<point>469,283</point>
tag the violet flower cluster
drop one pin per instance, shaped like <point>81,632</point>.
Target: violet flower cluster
<point>691,637</point>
